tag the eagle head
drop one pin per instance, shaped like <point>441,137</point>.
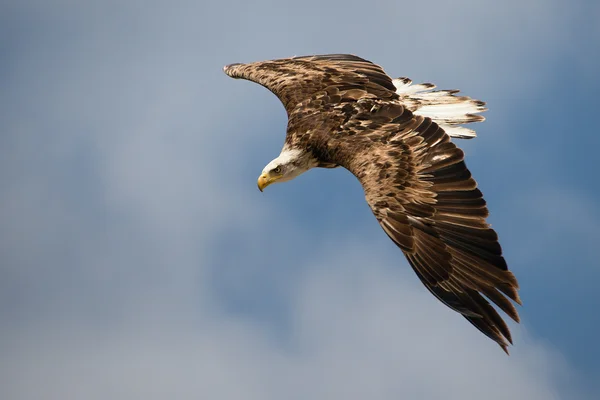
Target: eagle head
<point>289,164</point>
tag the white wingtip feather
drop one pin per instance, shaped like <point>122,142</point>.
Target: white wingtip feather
<point>443,106</point>
<point>459,132</point>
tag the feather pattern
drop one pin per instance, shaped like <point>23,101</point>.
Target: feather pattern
<point>295,79</point>
<point>444,107</point>
<point>395,138</point>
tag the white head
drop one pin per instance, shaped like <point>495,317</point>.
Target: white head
<point>289,164</point>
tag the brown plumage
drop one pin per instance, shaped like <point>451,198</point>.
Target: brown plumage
<point>345,111</point>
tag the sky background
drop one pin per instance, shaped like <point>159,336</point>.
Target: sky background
<point>138,260</point>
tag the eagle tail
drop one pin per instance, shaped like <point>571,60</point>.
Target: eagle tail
<point>444,107</point>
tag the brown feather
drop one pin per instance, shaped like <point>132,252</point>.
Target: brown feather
<point>344,111</point>
<point>455,253</point>
<point>297,79</point>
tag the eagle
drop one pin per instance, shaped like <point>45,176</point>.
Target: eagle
<point>395,138</point>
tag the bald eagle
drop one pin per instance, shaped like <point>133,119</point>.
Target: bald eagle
<point>395,137</point>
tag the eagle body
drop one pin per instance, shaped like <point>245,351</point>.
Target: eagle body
<point>395,137</point>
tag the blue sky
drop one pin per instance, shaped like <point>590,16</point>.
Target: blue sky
<point>138,259</point>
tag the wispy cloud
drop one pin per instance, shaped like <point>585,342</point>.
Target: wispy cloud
<point>359,329</point>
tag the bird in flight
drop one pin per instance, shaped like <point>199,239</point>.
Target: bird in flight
<point>395,137</point>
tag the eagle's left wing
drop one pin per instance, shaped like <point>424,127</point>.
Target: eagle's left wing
<point>421,192</point>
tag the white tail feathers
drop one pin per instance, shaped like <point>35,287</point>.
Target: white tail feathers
<point>443,106</point>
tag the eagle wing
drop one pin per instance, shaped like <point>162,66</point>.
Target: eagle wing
<point>421,192</point>
<point>295,80</point>
<point>347,111</point>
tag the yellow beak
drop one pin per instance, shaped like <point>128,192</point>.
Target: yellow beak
<point>263,182</point>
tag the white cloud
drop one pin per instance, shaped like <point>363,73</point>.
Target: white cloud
<point>358,330</point>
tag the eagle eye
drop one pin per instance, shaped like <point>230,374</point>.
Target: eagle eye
<point>277,169</point>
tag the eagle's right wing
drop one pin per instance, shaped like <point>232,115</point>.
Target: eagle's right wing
<point>297,79</point>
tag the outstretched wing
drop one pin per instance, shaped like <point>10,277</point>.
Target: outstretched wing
<point>347,112</point>
<point>294,80</point>
<point>421,192</point>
